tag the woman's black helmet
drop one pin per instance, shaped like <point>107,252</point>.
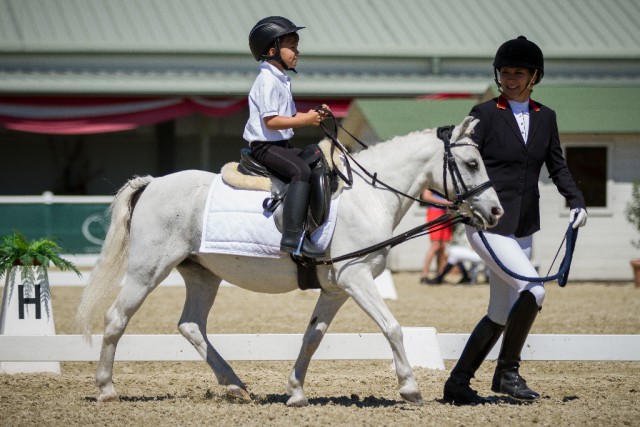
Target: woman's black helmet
<point>520,53</point>
<point>266,32</point>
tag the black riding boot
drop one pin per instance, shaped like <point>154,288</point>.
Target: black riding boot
<point>506,378</point>
<point>440,277</point>
<point>465,274</point>
<point>457,389</point>
<point>294,213</point>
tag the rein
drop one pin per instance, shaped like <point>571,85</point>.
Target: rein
<point>336,144</point>
<point>563,271</point>
<point>444,133</point>
<point>437,224</point>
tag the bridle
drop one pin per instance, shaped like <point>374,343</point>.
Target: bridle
<point>450,166</point>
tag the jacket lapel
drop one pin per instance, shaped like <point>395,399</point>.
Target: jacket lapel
<point>534,120</point>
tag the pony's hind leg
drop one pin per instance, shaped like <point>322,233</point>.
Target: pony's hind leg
<point>202,288</point>
<point>325,310</point>
<point>131,296</point>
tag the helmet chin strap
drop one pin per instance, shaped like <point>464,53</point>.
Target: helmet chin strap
<point>276,57</point>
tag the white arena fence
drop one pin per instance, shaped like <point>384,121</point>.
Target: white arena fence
<point>425,347</point>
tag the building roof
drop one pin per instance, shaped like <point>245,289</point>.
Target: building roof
<point>593,109</point>
<point>600,110</point>
<point>392,117</point>
<point>370,47</point>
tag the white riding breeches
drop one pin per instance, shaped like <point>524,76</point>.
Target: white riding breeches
<point>515,254</point>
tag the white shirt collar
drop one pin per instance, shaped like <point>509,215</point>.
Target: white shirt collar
<point>275,71</point>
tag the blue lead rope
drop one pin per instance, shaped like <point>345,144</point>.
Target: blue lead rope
<point>563,272</point>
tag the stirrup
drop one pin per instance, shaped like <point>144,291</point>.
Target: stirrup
<point>300,252</point>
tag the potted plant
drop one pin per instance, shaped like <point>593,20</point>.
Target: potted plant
<point>632,213</point>
<point>31,258</point>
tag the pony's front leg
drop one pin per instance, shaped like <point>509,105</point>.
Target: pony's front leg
<point>325,310</point>
<point>359,284</point>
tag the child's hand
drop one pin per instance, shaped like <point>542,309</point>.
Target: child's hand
<point>313,117</point>
<point>322,111</point>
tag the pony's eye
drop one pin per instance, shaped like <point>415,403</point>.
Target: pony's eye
<point>472,165</point>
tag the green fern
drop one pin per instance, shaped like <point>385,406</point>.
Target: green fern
<point>16,250</point>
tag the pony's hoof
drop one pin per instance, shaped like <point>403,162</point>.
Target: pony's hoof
<point>108,397</point>
<point>297,402</point>
<point>414,398</point>
<point>238,394</point>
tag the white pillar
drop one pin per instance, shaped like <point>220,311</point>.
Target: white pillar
<point>26,310</point>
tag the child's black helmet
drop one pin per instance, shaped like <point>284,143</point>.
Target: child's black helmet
<point>267,31</point>
<point>520,53</point>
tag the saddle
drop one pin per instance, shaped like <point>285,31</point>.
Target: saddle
<point>250,173</point>
<point>323,181</point>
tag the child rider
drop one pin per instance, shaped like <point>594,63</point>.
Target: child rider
<point>272,117</point>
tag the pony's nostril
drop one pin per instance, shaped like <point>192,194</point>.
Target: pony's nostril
<point>496,211</point>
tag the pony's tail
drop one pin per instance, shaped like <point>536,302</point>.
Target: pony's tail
<point>112,262</point>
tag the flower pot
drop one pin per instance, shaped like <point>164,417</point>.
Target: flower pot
<point>635,264</point>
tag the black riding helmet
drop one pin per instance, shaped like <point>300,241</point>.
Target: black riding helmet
<point>265,33</point>
<point>519,53</point>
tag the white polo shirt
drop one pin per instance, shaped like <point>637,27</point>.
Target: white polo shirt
<point>270,95</point>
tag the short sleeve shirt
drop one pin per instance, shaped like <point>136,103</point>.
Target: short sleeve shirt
<point>270,95</point>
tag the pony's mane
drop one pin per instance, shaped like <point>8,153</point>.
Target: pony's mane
<point>461,131</point>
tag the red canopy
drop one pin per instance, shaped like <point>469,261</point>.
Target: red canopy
<point>59,115</point>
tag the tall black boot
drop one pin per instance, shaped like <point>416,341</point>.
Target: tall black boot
<point>294,213</point>
<point>440,277</point>
<point>457,389</point>
<point>506,378</point>
<point>465,274</point>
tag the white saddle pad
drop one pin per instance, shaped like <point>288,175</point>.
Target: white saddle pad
<point>235,223</point>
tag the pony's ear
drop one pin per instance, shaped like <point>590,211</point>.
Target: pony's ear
<point>462,129</point>
<point>472,125</point>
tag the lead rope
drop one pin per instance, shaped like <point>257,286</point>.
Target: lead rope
<point>563,272</point>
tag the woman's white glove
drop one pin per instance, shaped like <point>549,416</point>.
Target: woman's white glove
<point>580,217</point>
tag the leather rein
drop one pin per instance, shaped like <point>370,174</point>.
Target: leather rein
<point>462,192</point>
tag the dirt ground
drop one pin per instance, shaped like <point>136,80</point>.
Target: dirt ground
<point>360,393</point>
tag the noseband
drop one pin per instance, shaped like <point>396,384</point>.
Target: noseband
<point>450,165</point>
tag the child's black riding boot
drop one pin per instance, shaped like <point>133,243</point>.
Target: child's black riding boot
<point>506,378</point>
<point>294,213</point>
<point>457,389</point>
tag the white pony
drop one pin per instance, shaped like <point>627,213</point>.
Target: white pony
<point>156,226</point>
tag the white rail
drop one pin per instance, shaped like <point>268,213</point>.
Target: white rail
<point>425,348</point>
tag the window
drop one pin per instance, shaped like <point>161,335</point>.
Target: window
<point>588,165</point>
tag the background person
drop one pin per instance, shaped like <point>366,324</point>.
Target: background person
<point>439,239</point>
<point>515,136</point>
<point>457,255</point>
